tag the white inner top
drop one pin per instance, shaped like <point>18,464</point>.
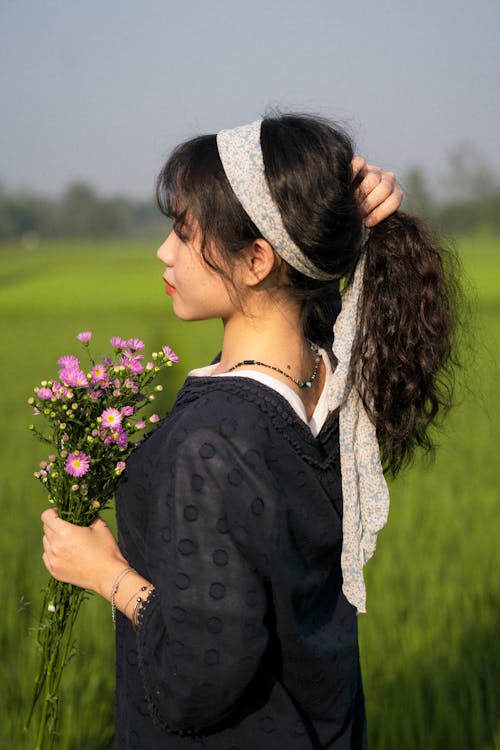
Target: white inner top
<point>321,410</point>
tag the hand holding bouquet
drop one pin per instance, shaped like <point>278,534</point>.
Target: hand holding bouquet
<point>92,423</point>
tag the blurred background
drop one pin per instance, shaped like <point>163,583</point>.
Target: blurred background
<point>94,95</point>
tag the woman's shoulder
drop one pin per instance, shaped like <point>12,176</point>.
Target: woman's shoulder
<point>247,415</point>
<point>212,399</point>
<point>228,408</point>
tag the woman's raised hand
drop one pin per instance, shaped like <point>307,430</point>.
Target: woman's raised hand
<point>378,192</point>
<point>86,556</point>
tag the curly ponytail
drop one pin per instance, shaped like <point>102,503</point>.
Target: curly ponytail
<point>404,350</point>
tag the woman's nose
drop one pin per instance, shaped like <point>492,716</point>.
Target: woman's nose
<point>165,251</point>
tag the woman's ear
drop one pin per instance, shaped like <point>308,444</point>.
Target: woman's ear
<point>260,261</point>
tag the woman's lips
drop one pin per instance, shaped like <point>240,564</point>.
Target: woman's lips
<point>169,288</point>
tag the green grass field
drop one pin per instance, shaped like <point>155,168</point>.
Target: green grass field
<point>430,646</point>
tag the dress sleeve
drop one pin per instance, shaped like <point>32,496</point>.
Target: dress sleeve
<point>202,633</point>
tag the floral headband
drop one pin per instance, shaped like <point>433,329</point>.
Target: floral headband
<point>241,157</point>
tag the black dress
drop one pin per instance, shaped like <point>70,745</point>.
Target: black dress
<point>232,509</point>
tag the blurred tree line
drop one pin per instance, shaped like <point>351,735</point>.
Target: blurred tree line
<point>78,213</point>
<point>469,195</point>
<point>468,201</point>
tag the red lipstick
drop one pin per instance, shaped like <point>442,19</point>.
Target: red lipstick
<point>169,289</point>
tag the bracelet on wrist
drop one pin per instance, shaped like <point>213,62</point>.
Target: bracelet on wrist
<point>137,609</point>
<point>143,588</point>
<point>114,591</point>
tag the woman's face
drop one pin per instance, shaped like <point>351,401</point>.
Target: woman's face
<point>198,292</point>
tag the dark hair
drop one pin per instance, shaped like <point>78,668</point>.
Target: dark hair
<point>403,349</point>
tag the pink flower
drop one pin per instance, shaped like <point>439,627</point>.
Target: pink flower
<point>122,441</point>
<point>140,424</point>
<point>111,418</point>
<point>117,436</point>
<point>154,418</point>
<point>127,411</point>
<point>59,390</point>
<point>74,377</point>
<point>170,354</point>
<point>77,464</point>
<point>44,393</point>
<point>135,344</point>
<point>68,361</point>
<point>117,342</point>
<point>132,355</point>
<point>98,373</point>
<point>84,336</point>
<point>132,365</point>
<point>131,385</point>
<point>120,467</point>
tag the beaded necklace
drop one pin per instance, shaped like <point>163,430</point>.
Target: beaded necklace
<point>299,383</point>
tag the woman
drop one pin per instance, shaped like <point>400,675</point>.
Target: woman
<point>245,519</point>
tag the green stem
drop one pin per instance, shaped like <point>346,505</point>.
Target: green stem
<point>55,639</point>
<point>45,707</point>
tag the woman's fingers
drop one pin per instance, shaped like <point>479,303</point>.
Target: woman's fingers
<point>81,555</point>
<point>374,182</point>
<point>357,164</point>
<point>375,189</point>
<point>378,193</point>
<point>385,209</point>
<point>48,516</point>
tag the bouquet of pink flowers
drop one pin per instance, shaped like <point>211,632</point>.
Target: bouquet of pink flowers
<point>94,421</point>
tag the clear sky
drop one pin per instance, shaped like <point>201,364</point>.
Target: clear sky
<point>100,90</point>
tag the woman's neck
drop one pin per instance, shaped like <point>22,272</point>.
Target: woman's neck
<point>272,335</point>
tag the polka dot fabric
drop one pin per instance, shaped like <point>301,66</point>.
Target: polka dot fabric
<point>234,511</point>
